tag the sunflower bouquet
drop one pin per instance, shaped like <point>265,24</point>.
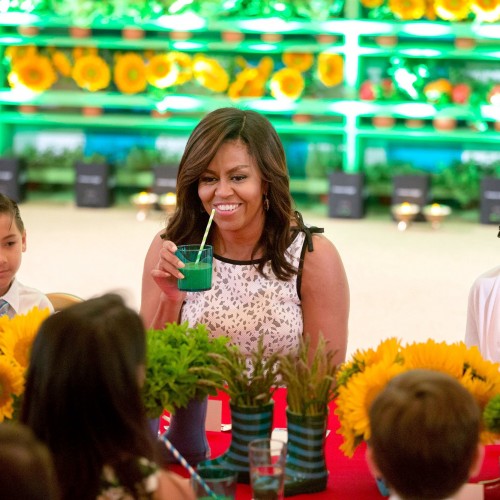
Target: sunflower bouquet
<point>362,378</point>
<point>16,338</point>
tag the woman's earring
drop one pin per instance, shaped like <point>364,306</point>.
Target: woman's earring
<point>266,202</point>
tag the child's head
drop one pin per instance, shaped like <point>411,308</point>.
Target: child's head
<point>425,435</point>
<point>26,469</point>
<point>83,395</point>
<point>12,242</point>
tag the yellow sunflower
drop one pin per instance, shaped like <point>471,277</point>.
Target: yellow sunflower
<point>408,9</point>
<point>430,11</point>
<point>287,83</point>
<point>17,334</point>
<point>11,384</point>
<point>161,72</point>
<point>486,10</point>
<point>61,62</point>
<point>432,355</point>
<point>16,52</point>
<point>130,73</point>
<point>210,74</point>
<point>330,69</point>
<point>452,10</point>
<point>372,4</point>
<point>84,51</point>
<point>184,66</point>
<point>265,67</point>
<point>248,83</point>
<point>355,399</point>
<point>91,73</point>
<point>34,72</point>
<point>299,61</point>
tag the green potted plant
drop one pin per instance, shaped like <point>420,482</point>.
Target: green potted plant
<point>250,383</point>
<point>180,375</point>
<point>310,379</point>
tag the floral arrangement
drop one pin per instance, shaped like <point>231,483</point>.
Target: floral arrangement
<point>16,338</point>
<point>39,69</point>
<point>179,367</point>
<point>447,10</point>
<point>365,375</point>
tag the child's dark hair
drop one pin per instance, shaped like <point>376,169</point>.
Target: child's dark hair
<point>9,207</point>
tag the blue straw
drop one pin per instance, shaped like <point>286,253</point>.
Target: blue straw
<point>184,463</point>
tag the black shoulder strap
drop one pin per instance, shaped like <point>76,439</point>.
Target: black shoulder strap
<point>309,231</point>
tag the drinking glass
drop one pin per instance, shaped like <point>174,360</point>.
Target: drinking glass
<point>267,468</point>
<point>221,480</point>
<point>198,268</point>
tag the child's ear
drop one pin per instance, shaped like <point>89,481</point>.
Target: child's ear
<point>23,239</point>
<point>371,463</point>
<point>477,461</point>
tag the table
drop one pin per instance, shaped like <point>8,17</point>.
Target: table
<point>349,478</point>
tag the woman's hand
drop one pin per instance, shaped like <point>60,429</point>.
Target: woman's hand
<point>166,273</point>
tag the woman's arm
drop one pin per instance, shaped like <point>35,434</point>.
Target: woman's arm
<point>325,297</point>
<point>161,300</point>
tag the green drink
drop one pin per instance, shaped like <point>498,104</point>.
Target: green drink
<point>197,277</point>
<point>198,268</point>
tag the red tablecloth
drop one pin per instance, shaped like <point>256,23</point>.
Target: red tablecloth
<point>349,478</point>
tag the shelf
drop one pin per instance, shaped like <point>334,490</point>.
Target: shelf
<point>317,117</point>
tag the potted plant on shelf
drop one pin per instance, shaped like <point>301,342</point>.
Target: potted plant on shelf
<point>310,378</point>
<point>180,375</point>
<point>250,381</point>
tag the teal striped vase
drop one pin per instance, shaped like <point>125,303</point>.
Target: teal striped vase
<point>247,423</point>
<point>305,470</point>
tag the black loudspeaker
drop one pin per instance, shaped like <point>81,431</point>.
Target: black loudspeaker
<point>412,189</point>
<point>94,183</point>
<point>165,179</point>
<point>345,195</point>
<point>490,201</point>
<point>12,178</point>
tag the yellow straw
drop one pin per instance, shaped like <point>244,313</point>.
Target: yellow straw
<point>205,236</point>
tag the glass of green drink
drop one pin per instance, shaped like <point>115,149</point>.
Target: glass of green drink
<point>198,267</point>
<point>221,480</point>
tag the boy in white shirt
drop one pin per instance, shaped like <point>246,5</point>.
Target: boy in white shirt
<point>15,298</point>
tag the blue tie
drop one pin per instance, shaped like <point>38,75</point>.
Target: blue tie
<point>4,307</point>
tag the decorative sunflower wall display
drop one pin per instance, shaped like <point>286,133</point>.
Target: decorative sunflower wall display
<point>446,10</point>
<point>159,73</point>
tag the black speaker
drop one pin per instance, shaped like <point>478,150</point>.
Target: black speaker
<point>12,178</point>
<point>345,195</point>
<point>94,183</point>
<point>412,189</point>
<point>165,179</point>
<point>490,201</point>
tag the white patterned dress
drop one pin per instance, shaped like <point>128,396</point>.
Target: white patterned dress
<point>242,304</point>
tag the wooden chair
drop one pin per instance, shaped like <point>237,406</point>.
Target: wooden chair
<point>61,301</point>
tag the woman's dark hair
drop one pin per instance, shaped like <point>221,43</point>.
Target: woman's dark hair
<point>82,395</point>
<point>9,207</point>
<point>223,125</point>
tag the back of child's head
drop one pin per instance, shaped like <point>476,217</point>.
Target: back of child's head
<point>424,434</point>
<point>26,469</point>
<point>83,394</point>
<point>9,207</point>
